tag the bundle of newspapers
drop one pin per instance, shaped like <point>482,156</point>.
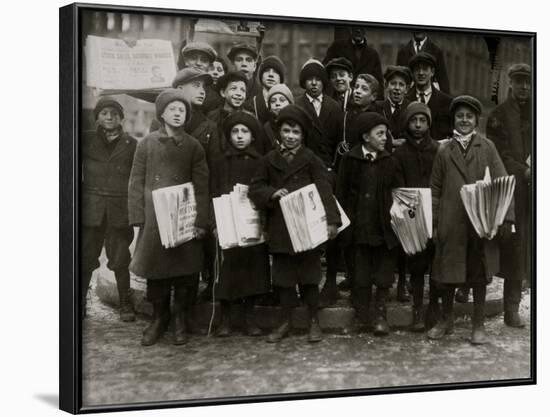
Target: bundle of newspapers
<point>487,202</point>
<point>411,218</point>
<point>238,222</point>
<point>305,218</point>
<point>176,212</point>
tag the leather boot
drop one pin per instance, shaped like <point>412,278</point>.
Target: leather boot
<point>224,329</point>
<point>127,313</point>
<point>315,333</point>
<point>513,319</point>
<point>155,330</point>
<point>249,318</point>
<point>381,327</point>
<point>417,324</point>
<point>445,324</point>
<point>284,328</point>
<point>479,337</point>
<point>180,328</point>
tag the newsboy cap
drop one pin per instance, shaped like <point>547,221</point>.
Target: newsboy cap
<point>423,57</point>
<point>366,121</point>
<point>340,62</point>
<point>189,74</point>
<point>399,70</point>
<point>108,102</point>
<point>225,79</point>
<point>296,114</point>
<point>416,108</point>
<point>313,67</point>
<point>168,96</point>
<point>469,101</point>
<point>241,117</point>
<point>519,70</point>
<point>242,47</point>
<point>274,62</point>
<point>200,47</point>
<point>280,89</point>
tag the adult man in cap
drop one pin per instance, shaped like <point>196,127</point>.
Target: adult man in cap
<point>423,66</point>
<point>244,58</point>
<point>107,155</point>
<point>365,59</point>
<point>509,126</point>
<point>421,43</point>
<point>340,73</point>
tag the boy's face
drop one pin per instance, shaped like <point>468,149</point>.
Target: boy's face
<point>465,120</point>
<point>241,136</point>
<point>340,79</point>
<point>109,118</point>
<point>314,86</point>
<point>291,136</point>
<point>234,94</point>
<point>270,77</point>
<point>418,125</point>
<point>245,63</point>
<point>174,114</point>
<point>375,139</point>
<point>197,59</point>
<point>397,88</point>
<point>362,94</point>
<point>423,74</point>
<point>277,102</point>
<point>194,92</point>
<point>216,70</point>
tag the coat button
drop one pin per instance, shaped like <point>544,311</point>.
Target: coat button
<point>367,195</point>
<point>246,157</point>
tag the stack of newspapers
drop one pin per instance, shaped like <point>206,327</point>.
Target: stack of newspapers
<point>237,220</point>
<point>176,212</point>
<point>305,218</point>
<point>487,202</point>
<point>411,218</point>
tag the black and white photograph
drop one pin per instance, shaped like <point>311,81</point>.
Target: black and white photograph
<point>260,208</point>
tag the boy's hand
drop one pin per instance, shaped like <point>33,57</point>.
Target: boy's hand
<point>332,231</point>
<point>279,193</point>
<point>199,232</point>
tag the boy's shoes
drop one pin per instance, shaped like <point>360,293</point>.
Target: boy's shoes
<point>417,324</point>
<point>513,319</point>
<point>127,313</point>
<point>442,328</point>
<point>315,334</point>
<point>381,327</point>
<point>433,313</point>
<point>479,337</point>
<point>279,333</point>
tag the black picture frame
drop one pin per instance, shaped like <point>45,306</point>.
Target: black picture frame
<point>70,329</point>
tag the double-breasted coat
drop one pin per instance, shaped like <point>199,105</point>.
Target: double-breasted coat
<point>452,226</point>
<point>163,161</point>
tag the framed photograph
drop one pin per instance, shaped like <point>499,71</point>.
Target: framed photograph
<point>262,208</point>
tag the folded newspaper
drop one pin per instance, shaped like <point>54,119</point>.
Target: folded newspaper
<point>238,222</point>
<point>305,218</point>
<point>411,218</point>
<point>176,212</point>
<point>487,202</point>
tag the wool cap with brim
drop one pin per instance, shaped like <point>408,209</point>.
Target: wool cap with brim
<point>168,96</point>
<point>398,70</point>
<point>189,74</point>
<point>280,89</point>
<point>313,68</point>
<point>231,76</point>
<point>416,108</point>
<point>275,63</point>
<point>468,101</point>
<point>422,57</point>
<point>296,114</point>
<point>108,102</point>
<point>242,47</point>
<point>241,117</point>
<point>200,47</point>
<point>518,70</point>
<point>339,63</point>
<point>367,121</point>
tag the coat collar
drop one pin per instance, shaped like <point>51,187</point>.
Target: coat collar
<point>250,151</point>
<point>179,139</point>
<point>301,159</point>
<point>462,162</point>
<point>123,142</point>
<point>357,153</point>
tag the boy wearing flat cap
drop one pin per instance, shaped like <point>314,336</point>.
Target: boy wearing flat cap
<point>365,180</point>
<point>510,126</point>
<point>423,66</point>
<point>414,162</point>
<point>107,155</point>
<point>244,58</point>
<point>271,72</point>
<point>168,157</point>
<point>340,73</point>
<point>280,173</point>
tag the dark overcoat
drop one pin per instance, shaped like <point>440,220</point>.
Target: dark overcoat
<point>414,162</point>
<point>441,118</point>
<point>450,172</point>
<point>212,100</point>
<point>105,177</point>
<point>397,128</point>
<point>275,173</point>
<point>163,161</point>
<point>258,107</point>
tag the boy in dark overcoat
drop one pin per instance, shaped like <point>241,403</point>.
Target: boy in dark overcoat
<point>414,161</point>
<point>281,172</point>
<point>167,157</point>
<point>245,272</point>
<point>107,155</point>
<point>365,179</point>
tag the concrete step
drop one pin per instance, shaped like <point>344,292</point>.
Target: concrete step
<point>333,318</point>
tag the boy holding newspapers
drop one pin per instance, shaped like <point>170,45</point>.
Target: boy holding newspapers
<point>168,186</point>
<point>280,173</point>
<point>244,272</point>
